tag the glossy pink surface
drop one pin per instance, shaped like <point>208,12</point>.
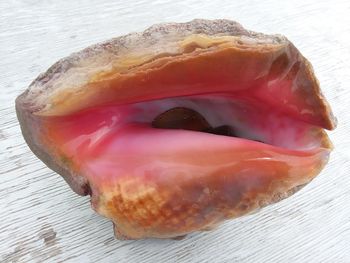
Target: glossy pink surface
<point>110,141</point>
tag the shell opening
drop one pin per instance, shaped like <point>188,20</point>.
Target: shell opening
<point>188,119</point>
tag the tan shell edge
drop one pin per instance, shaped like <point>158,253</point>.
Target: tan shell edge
<point>30,124</point>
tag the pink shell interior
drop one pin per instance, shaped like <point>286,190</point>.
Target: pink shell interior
<point>115,140</point>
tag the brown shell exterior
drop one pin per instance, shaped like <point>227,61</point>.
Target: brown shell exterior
<point>31,129</point>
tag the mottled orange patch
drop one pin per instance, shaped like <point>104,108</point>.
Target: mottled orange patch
<point>152,208</point>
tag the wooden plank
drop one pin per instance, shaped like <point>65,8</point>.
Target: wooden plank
<point>42,220</point>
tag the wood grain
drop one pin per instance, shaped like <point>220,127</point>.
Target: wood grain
<point>42,220</point>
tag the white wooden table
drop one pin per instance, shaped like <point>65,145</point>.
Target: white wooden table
<point>41,219</point>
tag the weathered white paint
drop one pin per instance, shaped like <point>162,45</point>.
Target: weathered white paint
<point>43,220</point>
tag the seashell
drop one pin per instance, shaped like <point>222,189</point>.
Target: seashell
<point>180,127</point>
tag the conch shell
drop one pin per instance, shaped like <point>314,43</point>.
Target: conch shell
<point>180,127</point>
